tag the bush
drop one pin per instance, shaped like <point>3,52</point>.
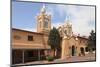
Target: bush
<point>50,58</point>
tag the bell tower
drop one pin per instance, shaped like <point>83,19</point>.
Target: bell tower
<point>67,29</point>
<point>43,21</point>
<point>67,34</point>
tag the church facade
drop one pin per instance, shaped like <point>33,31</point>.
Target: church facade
<point>30,46</point>
<point>72,45</point>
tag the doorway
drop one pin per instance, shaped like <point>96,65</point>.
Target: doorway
<point>73,50</point>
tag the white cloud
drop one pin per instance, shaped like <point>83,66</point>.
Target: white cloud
<point>57,24</point>
<point>30,29</point>
<point>50,11</point>
<point>80,16</point>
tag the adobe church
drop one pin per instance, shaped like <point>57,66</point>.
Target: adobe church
<point>28,46</point>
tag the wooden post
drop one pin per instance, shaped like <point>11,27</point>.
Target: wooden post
<point>23,56</point>
<point>38,54</point>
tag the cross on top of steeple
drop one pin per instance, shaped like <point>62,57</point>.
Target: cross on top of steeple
<point>43,9</point>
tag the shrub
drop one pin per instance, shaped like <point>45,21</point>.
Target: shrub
<point>50,58</point>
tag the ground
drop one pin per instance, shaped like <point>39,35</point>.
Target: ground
<point>89,57</point>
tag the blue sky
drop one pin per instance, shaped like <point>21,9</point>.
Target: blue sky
<point>82,17</point>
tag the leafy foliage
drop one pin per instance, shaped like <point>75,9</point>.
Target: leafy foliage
<point>92,40</point>
<point>54,38</point>
<point>50,58</point>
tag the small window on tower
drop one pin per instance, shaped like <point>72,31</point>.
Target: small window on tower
<point>30,38</point>
<point>40,24</point>
<point>65,32</point>
<point>46,24</point>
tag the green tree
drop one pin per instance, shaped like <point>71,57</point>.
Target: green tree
<point>92,41</point>
<point>54,39</point>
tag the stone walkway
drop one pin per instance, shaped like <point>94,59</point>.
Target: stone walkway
<point>90,57</point>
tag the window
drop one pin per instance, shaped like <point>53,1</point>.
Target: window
<point>30,38</point>
<point>65,32</point>
<point>17,37</point>
<point>93,49</point>
<point>40,24</point>
<point>46,24</point>
<point>86,49</point>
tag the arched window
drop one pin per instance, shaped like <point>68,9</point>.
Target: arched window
<point>93,49</point>
<point>82,51</point>
<point>65,31</point>
<point>86,49</point>
<point>46,24</point>
<point>40,24</point>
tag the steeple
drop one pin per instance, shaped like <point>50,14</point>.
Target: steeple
<point>67,28</point>
<point>67,22</point>
<point>43,21</point>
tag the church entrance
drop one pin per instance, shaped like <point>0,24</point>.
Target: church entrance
<point>73,50</point>
<point>58,53</point>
